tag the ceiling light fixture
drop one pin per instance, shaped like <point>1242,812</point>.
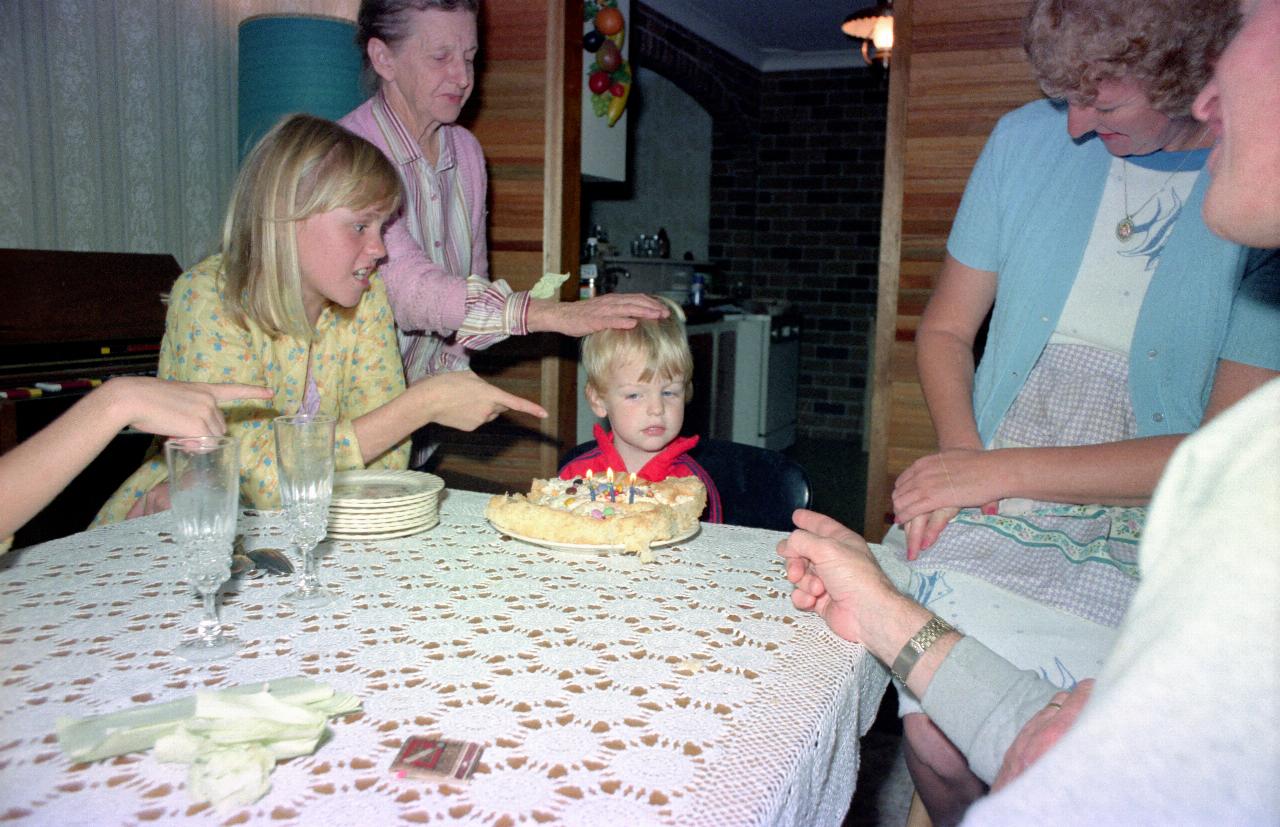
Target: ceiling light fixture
<point>874,27</point>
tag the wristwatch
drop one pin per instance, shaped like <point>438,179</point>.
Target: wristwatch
<point>918,644</point>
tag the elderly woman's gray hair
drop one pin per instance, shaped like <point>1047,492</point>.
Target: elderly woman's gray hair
<point>1168,46</point>
<point>388,20</point>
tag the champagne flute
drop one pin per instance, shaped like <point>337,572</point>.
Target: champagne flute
<point>304,456</point>
<point>204,491</point>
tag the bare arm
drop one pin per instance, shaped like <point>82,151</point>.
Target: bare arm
<point>1126,472</point>
<point>944,361</point>
<point>33,473</point>
<point>1115,473</point>
<point>962,474</point>
<point>459,399</point>
<point>944,350</point>
<point>1232,382</point>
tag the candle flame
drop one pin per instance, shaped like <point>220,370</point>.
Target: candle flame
<point>609,475</point>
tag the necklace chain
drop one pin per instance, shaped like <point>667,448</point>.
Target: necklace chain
<point>1124,227</point>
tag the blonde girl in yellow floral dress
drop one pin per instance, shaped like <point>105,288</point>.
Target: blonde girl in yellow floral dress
<point>293,302</point>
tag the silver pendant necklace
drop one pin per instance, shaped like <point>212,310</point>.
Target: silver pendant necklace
<point>1124,227</point>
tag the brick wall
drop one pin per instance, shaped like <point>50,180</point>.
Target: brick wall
<point>817,229</point>
<point>797,162</point>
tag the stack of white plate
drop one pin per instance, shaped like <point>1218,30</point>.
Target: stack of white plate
<point>383,505</point>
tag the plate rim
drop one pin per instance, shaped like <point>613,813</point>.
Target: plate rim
<point>381,508</point>
<point>348,526</point>
<point>670,541</point>
<point>407,509</point>
<point>430,484</point>
<point>344,536</point>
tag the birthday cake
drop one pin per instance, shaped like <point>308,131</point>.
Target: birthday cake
<point>581,511</point>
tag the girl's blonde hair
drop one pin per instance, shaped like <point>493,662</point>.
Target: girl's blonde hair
<point>661,343</point>
<point>304,166</point>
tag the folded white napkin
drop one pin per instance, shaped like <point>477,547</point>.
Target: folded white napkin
<point>231,738</point>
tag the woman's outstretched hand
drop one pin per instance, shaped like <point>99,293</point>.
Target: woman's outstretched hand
<point>612,310</point>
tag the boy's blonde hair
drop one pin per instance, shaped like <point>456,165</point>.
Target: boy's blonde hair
<point>305,165</point>
<point>661,343</point>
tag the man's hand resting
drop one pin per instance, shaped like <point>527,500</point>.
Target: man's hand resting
<point>1042,732</point>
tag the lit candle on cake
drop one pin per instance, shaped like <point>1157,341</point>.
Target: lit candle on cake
<point>591,486</point>
<point>631,489</point>
<point>613,492</point>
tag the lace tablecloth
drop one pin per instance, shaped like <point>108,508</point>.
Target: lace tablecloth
<point>687,691</point>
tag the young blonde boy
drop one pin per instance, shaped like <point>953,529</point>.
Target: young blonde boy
<point>640,380</point>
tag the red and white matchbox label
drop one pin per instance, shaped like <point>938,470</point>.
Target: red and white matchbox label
<point>424,756</point>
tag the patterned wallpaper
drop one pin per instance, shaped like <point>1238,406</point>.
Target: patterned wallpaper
<point>118,120</point>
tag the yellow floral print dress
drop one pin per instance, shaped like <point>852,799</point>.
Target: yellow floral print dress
<point>355,363</point>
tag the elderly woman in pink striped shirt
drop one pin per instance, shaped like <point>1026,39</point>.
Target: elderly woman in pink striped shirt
<point>437,268</point>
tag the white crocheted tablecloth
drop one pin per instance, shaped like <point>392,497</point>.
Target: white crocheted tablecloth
<point>687,691</point>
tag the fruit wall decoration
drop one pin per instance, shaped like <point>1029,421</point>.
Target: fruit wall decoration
<point>609,75</point>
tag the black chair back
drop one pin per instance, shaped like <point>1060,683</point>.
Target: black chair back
<point>759,488</point>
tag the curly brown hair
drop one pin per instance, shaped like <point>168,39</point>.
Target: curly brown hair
<point>1167,46</point>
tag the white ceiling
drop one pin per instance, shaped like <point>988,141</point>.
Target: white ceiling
<point>772,35</point>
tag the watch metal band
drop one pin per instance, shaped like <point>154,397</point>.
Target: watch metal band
<point>918,645</point>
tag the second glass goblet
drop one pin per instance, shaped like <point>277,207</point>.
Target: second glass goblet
<point>304,455</point>
<point>204,492</point>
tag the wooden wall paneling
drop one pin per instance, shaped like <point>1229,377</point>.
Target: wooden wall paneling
<point>525,116</point>
<point>957,67</point>
<point>883,344</point>
<point>562,196</point>
<point>515,219</point>
<point>941,13</point>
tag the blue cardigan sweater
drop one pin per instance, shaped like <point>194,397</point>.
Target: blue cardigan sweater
<point>1027,214</point>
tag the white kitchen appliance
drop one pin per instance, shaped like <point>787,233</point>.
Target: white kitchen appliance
<point>766,376</point>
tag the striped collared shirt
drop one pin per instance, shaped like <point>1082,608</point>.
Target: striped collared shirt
<point>437,217</point>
